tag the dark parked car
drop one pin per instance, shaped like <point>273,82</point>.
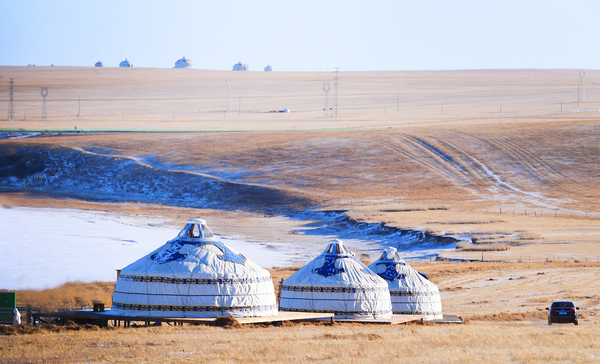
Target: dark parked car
<point>564,312</point>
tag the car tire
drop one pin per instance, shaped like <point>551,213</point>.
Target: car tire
<point>576,322</point>
<point>549,322</point>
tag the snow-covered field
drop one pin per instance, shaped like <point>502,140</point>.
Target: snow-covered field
<point>43,248</point>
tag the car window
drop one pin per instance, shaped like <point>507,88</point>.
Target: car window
<point>562,305</point>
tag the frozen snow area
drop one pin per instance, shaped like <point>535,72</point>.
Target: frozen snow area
<point>44,248</point>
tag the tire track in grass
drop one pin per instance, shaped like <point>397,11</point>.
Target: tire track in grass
<point>483,171</point>
<point>473,168</point>
<point>397,147</point>
<point>536,167</point>
<point>454,159</point>
<point>543,165</point>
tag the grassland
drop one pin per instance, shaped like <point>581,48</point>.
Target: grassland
<point>508,157</point>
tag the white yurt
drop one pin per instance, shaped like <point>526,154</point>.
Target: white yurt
<point>411,292</point>
<point>184,63</point>
<point>337,282</point>
<point>240,67</point>
<point>99,64</point>
<point>194,275</point>
<point>126,63</point>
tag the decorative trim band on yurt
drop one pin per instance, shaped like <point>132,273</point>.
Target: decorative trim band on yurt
<point>413,294</point>
<point>176,308</point>
<point>336,312</point>
<point>417,312</point>
<point>334,289</point>
<point>194,281</point>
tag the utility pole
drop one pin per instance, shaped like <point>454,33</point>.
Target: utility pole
<point>44,93</point>
<point>336,85</point>
<point>581,88</point>
<point>11,104</point>
<point>326,89</point>
<point>229,107</point>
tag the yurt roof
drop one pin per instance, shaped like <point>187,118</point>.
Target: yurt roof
<point>126,63</point>
<point>184,63</point>
<point>194,275</point>
<point>410,291</point>
<point>335,281</point>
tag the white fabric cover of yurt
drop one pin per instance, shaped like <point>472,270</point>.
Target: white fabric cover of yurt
<point>337,282</point>
<point>194,275</point>
<point>411,293</point>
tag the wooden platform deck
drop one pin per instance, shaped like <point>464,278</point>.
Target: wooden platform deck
<point>449,319</point>
<point>103,318</point>
<point>395,320</point>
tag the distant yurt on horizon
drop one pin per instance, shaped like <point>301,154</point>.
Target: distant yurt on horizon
<point>184,63</point>
<point>336,282</point>
<point>240,66</point>
<point>268,68</point>
<point>99,64</point>
<point>126,63</point>
<point>194,275</point>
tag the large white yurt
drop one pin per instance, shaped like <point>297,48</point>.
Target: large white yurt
<point>184,63</point>
<point>411,292</point>
<point>126,63</point>
<point>194,275</point>
<point>337,282</point>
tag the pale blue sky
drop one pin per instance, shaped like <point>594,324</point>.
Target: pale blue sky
<point>303,35</point>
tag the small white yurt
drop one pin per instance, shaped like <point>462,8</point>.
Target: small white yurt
<point>184,63</point>
<point>126,63</point>
<point>194,275</point>
<point>240,67</point>
<point>411,292</point>
<point>99,64</point>
<point>337,282</point>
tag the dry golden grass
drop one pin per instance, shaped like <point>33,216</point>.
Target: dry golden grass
<point>468,247</point>
<point>69,296</point>
<point>476,342</point>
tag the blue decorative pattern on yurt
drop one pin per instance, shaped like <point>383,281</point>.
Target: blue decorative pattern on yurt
<point>336,312</point>
<point>333,289</point>
<point>390,272</point>
<point>195,281</point>
<point>417,312</point>
<point>413,293</point>
<point>178,308</point>
<point>172,254</point>
<point>328,269</point>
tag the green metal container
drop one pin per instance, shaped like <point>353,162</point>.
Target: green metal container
<point>8,300</point>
